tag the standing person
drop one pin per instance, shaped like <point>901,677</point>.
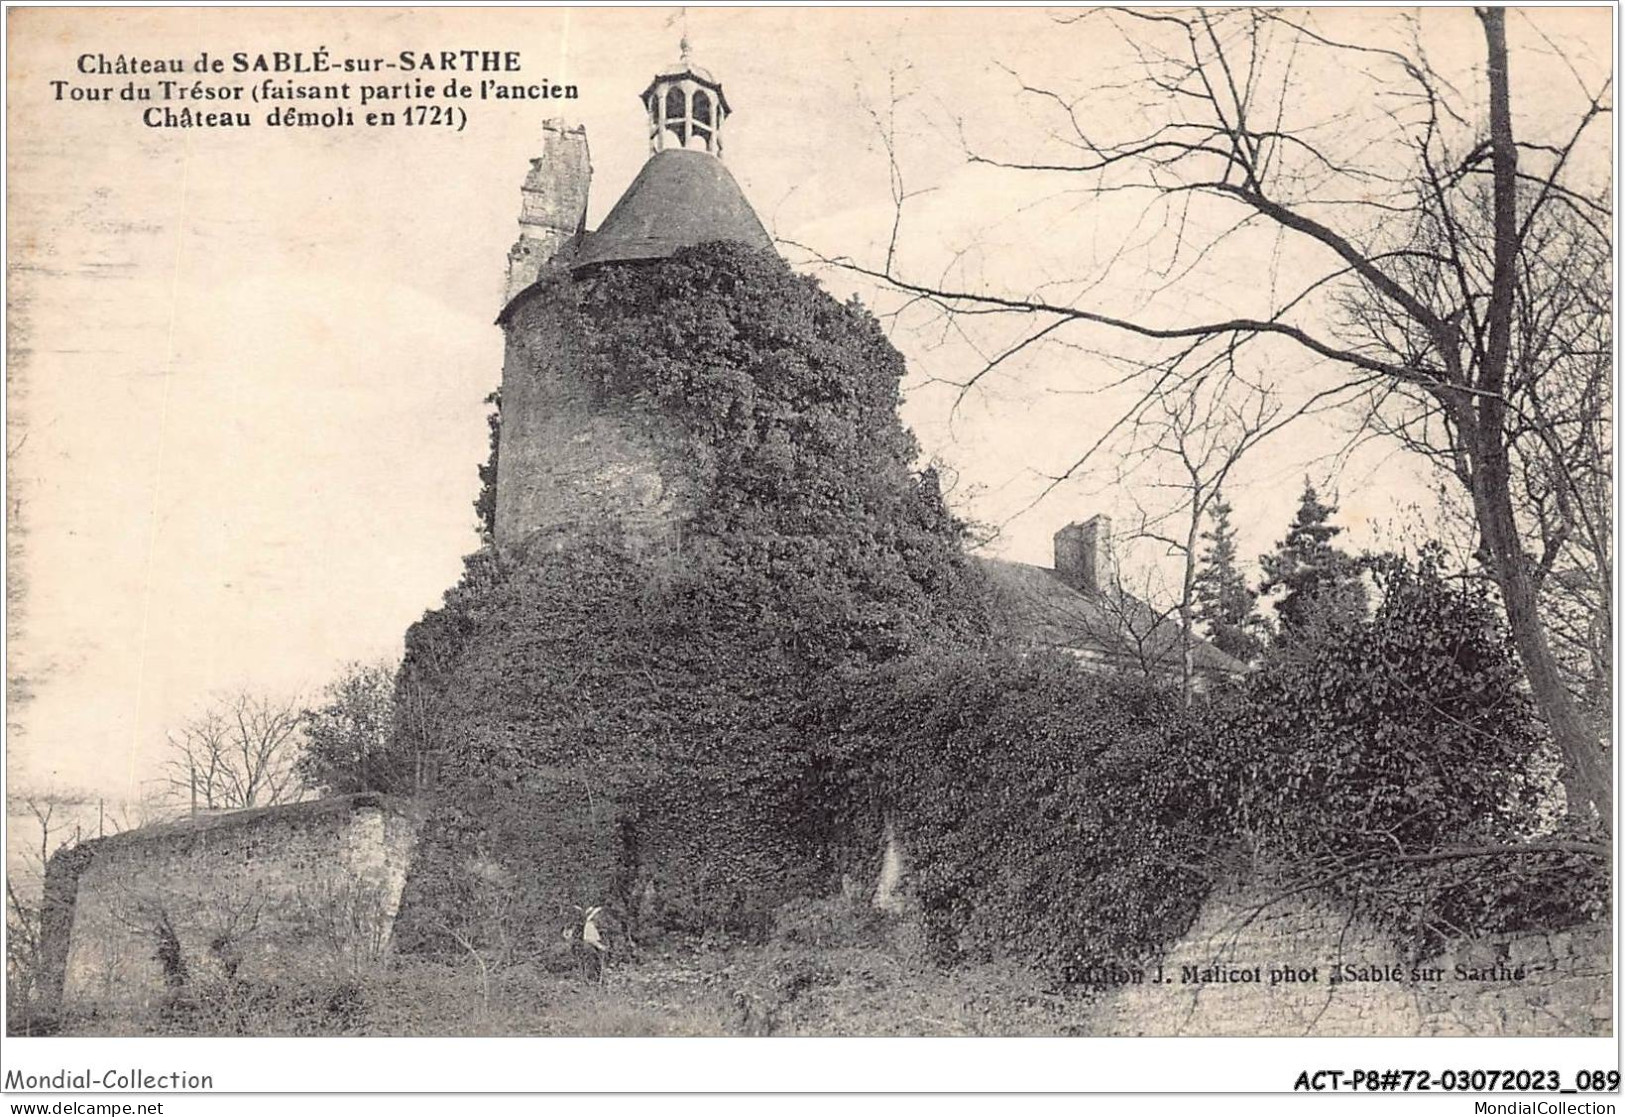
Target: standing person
<point>593,949</point>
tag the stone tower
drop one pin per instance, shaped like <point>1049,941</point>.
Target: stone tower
<point>1084,558</point>
<point>567,461</point>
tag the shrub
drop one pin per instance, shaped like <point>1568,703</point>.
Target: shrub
<point>1043,807</point>
<point>303,1005</point>
<point>1077,820</point>
<point>1370,758</point>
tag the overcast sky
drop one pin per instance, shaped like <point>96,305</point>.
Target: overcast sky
<point>245,399</point>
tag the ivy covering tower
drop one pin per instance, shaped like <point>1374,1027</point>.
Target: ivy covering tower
<point>705,522</point>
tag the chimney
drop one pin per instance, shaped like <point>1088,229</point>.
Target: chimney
<point>553,204</point>
<point>1083,555</point>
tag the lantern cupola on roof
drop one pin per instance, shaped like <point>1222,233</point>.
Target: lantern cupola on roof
<point>684,195</point>
<point>686,108</point>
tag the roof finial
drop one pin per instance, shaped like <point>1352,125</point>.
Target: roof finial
<point>682,44</point>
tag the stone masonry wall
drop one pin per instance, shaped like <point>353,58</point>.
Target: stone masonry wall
<point>272,894</point>
<point>1253,967</point>
<point>568,462</point>
<point>553,205</point>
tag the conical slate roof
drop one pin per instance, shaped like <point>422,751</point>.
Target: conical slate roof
<point>680,198</point>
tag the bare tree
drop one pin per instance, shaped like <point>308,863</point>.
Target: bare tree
<point>1128,626</point>
<point>1190,444</point>
<point>1135,623</point>
<point>153,805</point>
<point>241,750</point>
<point>1400,231</point>
<point>44,821</point>
<point>1558,398</point>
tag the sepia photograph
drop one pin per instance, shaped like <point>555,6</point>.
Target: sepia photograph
<point>1065,523</point>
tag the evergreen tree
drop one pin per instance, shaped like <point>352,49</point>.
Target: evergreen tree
<point>1320,580</point>
<point>1224,603</point>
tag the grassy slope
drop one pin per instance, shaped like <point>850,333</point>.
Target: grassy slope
<point>830,969</point>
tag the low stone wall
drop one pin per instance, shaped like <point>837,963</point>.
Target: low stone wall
<point>271,894</point>
<point>1257,965</point>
